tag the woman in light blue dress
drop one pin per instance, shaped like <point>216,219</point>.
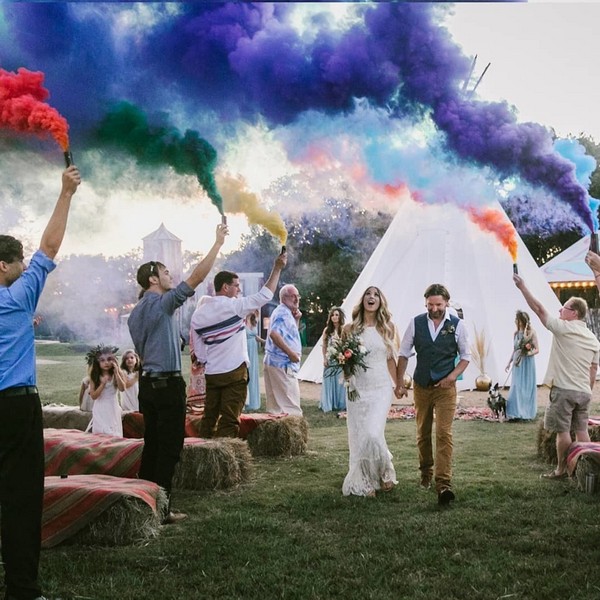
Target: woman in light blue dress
<point>253,339</point>
<point>333,393</point>
<point>521,403</point>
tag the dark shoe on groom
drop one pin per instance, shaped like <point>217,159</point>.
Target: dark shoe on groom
<point>445,497</point>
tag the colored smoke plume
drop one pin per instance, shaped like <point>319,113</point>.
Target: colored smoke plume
<point>495,222</point>
<point>126,127</point>
<point>238,199</point>
<point>22,106</point>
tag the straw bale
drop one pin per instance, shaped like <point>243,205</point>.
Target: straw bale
<point>287,436</point>
<point>546,442</point>
<point>213,465</point>
<point>585,465</point>
<point>546,445</point>
<point>594,431</point>
<point>128,521</point>
<point>59,416</point>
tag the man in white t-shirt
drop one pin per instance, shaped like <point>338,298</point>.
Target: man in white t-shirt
<point>571,372</point>
<point>219,336</point>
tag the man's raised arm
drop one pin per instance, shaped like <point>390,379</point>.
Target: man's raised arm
<point>55,230</point>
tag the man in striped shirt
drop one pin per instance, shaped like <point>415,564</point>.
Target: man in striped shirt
<point>219,338</point>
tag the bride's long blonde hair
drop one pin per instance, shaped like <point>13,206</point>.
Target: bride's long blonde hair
<point>383,322</point>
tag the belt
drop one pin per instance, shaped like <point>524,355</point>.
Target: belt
<point>24,390</point>
<point>161,374</point>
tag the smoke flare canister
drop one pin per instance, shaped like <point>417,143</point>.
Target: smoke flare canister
<point>283,249</point>
<point>68,158</point>
<point>594,242</point>
<point>223,220</point>
<point>515,268</point>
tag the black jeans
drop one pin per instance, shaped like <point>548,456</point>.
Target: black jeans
<point>21,493</point>
<point>162,402</point>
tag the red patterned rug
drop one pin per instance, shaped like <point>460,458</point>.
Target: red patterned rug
<point>407,413</point>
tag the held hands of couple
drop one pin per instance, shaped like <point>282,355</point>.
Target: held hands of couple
<point>400,391</point>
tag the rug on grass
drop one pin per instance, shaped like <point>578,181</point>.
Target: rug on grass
<point>204,464</point>
<point>101,510</point>
<point>407,413</point>
<point>583,458</point>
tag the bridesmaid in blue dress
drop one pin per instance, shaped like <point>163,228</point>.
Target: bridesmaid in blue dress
<point>333,393</point>
<point>253,339</point>
<point>521,403</point>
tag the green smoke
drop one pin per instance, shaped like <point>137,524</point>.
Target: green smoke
<point>126,127</point>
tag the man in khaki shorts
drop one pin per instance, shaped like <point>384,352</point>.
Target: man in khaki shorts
<point>571,373</point>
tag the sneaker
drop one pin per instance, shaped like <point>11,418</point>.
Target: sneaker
<point>174,517</point>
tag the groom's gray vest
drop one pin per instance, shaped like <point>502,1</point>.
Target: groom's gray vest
<point>435,359</point>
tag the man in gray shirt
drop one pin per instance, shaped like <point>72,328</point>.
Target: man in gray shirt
<point>155,334</point>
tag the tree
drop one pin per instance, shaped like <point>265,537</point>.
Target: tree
<point>328,248</point>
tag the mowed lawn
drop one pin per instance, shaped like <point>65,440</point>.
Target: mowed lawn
<point>289,533</point>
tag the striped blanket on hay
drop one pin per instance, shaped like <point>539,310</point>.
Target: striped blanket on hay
<point>579,449</point>
<point>74,452</point>
<point>76,501</point>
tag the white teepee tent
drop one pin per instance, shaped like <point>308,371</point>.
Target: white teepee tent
<point>439,244</point>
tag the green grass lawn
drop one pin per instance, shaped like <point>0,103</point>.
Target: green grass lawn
<point>290,534</point>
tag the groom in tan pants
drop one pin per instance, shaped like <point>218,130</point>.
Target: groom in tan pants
<point>438,338</point>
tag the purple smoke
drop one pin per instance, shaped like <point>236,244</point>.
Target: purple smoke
<point>247,60</point>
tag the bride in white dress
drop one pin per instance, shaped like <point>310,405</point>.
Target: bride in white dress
<point>371,467</point>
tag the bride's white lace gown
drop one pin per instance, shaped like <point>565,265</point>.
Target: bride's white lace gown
<point>370,460</point>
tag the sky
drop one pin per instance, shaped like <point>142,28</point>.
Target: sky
<point>248,80</point>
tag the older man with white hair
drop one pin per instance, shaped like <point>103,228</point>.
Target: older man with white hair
<point>283,352</point>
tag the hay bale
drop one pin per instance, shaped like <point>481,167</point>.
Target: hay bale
<point>594,431</point>
<point>59,416</point>
<point>546,442</point>
<point>212,465</point>
<point>243,455</point>
<point>287,436</point>
<point>546,445</point>
<point>128,521</point>
<point>586,465</point>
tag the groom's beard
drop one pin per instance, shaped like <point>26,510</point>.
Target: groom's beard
<point>436,314</point>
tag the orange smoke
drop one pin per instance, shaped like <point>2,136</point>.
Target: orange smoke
<point>22,106</point>
<point>237,199</point>
<point>495,222</point>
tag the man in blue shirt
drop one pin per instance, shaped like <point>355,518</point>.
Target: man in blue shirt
<point>154,330</point>
<point>283,352</point>
<point>21,431</point>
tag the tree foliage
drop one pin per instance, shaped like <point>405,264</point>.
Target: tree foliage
<point>327,250</point>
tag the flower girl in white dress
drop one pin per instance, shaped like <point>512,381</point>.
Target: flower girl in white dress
<point>105,379</point>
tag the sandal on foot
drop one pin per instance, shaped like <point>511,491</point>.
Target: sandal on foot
<point>554,475</point>
<point>387,486</point>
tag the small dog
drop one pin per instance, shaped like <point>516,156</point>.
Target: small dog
<point>497,403</point>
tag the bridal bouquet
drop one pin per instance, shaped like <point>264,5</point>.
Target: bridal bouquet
<point>345,356</point>
<point>525,348</point>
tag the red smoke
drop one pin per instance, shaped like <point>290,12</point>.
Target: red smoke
<point>495,222</point>
<point>22,106</point>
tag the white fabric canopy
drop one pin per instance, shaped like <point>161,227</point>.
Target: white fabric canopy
<point>570,264</point>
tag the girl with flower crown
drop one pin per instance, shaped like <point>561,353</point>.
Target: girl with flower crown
<point>371,467</point>
<point>105,379</point>
<point>521,403</point>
